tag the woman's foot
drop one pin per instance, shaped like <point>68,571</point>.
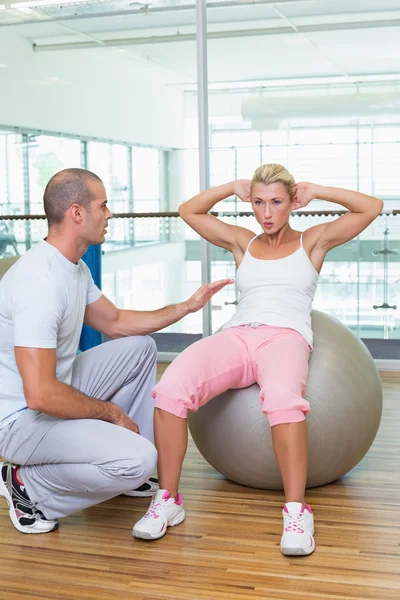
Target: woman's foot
<point>163,512</point>
<point>298,530</point>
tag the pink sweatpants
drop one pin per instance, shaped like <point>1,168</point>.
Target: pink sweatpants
<point>274,357</point>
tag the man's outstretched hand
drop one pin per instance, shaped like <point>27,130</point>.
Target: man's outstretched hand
<point>205,293</point>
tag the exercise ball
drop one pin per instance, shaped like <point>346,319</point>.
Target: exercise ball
<point>345,394</point>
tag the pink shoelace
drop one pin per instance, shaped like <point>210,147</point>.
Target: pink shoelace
<point>152,512</point>
<point>294,523</point>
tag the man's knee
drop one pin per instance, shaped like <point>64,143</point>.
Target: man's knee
<point>151,347</point>
<point>148,460</point>
<point>144,344</point>
<point>144,459</point>
<point>134,467</point>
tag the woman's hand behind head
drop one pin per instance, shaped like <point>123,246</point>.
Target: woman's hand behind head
<point>242,189</point>
<point>305,192</point>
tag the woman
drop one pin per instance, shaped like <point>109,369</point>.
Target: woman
<point>268,340</point>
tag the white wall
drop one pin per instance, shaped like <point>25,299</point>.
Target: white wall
<point>101,92</point>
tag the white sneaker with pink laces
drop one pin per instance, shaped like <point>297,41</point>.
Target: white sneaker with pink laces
<point>163,512</point>
<point>298,529</point>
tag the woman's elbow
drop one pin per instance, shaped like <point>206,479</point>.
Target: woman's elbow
<point>376,209</point>
<point>183,211</point>
<point>379,206</point>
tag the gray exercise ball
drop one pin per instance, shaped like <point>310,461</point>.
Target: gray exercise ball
<point>345,394</point>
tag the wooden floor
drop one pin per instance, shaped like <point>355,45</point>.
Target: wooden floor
<point>228,547</point>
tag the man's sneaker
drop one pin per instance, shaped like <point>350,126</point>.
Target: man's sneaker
<point>24,516</point>
<point>148,488</point>
<point>163,512</point>
<point>298,529</point>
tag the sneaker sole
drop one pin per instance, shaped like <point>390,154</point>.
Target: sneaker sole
<point>145,535</point>
<point>6,495</point>
<point>298,551</point>
<point>134,494</point>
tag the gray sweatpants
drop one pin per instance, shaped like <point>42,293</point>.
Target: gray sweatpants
<point>71,464</point>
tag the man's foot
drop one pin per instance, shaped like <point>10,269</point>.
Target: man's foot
<point>148,488</point>
<point>24,516</point>
<point>163,512</point>
<point>298,530</point>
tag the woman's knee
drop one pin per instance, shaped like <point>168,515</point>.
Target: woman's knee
<point>181,395</point>
<point>178,390</point>
<point>284,417</point>
<point>284,405</point>
<point>179,407</point>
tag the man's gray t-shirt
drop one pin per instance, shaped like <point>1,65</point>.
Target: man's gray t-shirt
<point>42,305</point>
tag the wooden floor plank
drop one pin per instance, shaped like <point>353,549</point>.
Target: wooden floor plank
<point>228,547</point>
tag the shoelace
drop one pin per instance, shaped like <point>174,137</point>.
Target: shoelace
<point>152,512</point>
<point>294,523</point>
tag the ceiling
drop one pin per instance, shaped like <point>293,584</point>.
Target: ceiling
<point>251,42</point>
<point>252,45</point>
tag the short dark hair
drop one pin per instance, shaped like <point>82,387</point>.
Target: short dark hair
<point>67,187</point>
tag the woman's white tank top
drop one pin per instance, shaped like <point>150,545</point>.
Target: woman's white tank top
<point>276,292</point>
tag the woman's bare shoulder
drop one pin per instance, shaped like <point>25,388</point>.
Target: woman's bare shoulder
<point>311,236</point>
<point>243,237</point>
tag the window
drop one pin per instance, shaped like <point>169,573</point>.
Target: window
<point>146,179</point>
<point>12,199</point>
<point>48,155</point>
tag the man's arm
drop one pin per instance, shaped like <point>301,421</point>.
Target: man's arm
<point>45,393</point>
<point>105,317</point>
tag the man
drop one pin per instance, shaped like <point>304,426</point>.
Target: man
<point>76,429</point>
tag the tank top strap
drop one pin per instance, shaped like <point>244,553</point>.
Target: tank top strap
<point>252,240</point>
<point>301,240</point>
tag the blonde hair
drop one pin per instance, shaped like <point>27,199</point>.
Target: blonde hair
<point>273,173</point>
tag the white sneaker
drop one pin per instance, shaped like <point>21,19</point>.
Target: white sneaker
<point>163,512</point>
<point>24,516</point>
<point>298,530</point>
